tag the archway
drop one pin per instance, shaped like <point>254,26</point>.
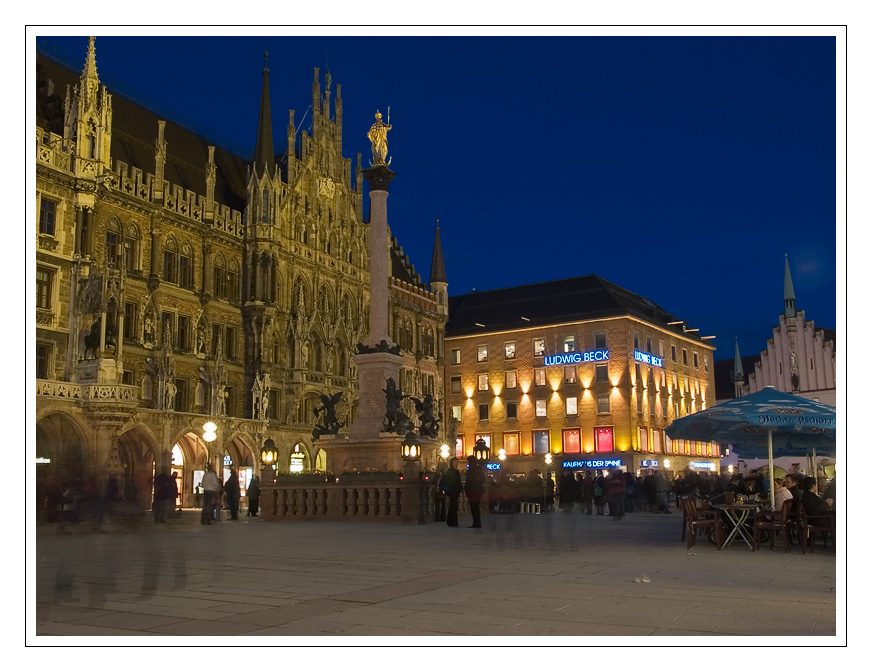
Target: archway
<point>137,451</point>
<point>60,446</point>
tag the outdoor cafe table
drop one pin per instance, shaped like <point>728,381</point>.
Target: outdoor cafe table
<point>737,515</point>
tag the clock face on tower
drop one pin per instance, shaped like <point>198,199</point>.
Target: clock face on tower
<point>326,187</point>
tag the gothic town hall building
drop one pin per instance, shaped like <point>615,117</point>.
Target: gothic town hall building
<point>178,283</point>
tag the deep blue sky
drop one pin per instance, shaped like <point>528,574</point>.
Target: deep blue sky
<point>683,169</point>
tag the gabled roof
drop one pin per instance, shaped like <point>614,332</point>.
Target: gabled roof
<point>572,299</point>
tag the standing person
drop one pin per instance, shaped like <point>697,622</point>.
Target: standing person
<point>616,488</point>
<point>163,484</point>
<point>253,496</point>
<point>452,486</point>
<point>439,497</point>
<point>661,492</point>
<point>174,492</point>
<point>211,488</point>
<point>231,494</point>
<point>598,488</point>
<point>474,489</point>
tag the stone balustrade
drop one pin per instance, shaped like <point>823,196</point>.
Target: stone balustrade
<point>366,501</point>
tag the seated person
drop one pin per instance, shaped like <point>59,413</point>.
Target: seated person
<point>782,494</point>
<point>815,508</point>
<point>791,482</point>
<point>830,494</point>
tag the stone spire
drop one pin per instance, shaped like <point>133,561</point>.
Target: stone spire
<point>738,372</point>
<point>264,155</point>
<point>789,296</point>
<point>90,70</point>
<point>437,265</point>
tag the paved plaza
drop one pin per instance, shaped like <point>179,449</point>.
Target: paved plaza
<point>558,575</point>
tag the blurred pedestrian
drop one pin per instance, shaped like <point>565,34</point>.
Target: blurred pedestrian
<point>452,486</point>
<point>438,496</point>
<point>211,490</point>
<point>163,487</point>
<point>615,490</point>
<point>253,496</point>
<point>231,494</point>
<point>474,488</point>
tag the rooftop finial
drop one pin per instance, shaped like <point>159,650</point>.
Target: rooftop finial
<point>789,295</point>
<point>266,61</point>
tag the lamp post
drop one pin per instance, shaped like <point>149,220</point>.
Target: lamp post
<point>410,450</point>
<point>210,430</point>
<point>481,451</point>
<point>268,456</point>
<point>545,482</point>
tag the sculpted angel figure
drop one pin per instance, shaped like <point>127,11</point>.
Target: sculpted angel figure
<point>378,136</point>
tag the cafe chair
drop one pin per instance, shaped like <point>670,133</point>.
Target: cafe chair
<point>811,525</point>
<point>773,522</point>
<point>701,519</point>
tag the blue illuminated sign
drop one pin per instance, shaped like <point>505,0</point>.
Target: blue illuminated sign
<point>490,466</point>
<point>650,463</point>
<point>595,464</point>
<point>645,358</point>
<point>702,465</point>
<point>577,357</point>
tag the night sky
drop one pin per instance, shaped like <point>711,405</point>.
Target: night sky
<point>680,168</point>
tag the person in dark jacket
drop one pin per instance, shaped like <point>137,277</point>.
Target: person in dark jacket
<point>815,507</point>
<point>438,497</point>
<point>452,486</point>
<point>616,490</point>
<point>474,489</point>
<point>566,491</point>
<point>231,494</point>
<point>253,496</point>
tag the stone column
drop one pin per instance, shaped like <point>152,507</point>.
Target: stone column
<point>207,268</point>
<point>379,179</point>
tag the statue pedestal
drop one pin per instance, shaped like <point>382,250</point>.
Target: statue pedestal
<point>104,371</point>
<point>373,370</point>
<point>382,453</point>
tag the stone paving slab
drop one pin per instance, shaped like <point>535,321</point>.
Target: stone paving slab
<point>555,575</point>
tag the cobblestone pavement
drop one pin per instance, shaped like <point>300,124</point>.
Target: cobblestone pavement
<point>557,574</point>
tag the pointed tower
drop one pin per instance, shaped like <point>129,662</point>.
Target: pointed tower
<point>439,286</point>
<point>260,284</point>
<point>264,155</point>
<point>738,372</point>
<point>789,296</point>
<point>88,126</point>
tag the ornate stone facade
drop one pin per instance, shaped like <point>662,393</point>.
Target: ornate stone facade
<point>178,283</point>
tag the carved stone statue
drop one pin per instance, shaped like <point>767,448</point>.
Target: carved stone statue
<point>222,399</point>
<point>256,397</point>
<point>170,395</point>
<point>330,425</point>
<point>92,341</point>
<point>396,420</point>
<point>378,136</point>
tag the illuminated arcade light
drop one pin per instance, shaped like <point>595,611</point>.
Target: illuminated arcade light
<point>209,434</point>
<point>502,454</point>
<point>444,450</point>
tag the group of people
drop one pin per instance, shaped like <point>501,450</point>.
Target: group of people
<point>214,491</point>
<point>449,486</point>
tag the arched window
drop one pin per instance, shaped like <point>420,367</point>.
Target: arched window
<point>265,206</point>
<point>114,238</point>
<point>341,362</point>
<point>220,276</point>
<point>131,248</point>
<point>170,262</point>
<point>186,267</point>
<point>232,291</point>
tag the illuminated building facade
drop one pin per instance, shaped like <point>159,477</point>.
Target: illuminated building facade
<point>177,283</point>
<point>580,369</point>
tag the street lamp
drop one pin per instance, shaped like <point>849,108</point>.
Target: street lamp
<point>209,430</point>
<point>411,446</point>
<point>269,454</point>
<point>481,451</point>
<point>443,451</point>
<point>502,454</point>
<point>545,482</point>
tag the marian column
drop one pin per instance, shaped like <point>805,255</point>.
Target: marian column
<point>378,356</point>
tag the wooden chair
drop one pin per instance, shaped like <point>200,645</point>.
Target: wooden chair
<point>772,522</point>
<point>701,519</point>
<point>811,525</point>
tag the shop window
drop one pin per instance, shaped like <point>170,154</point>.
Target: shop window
<point>541,442</point>
<point>511,410</point>
<point>538,347</point>
<point>47,211</point>
<point>541,408</point>
<point>458,446</point>
<point>510,350</point>
<point>539,377</point>
<point>571,440</point>
<point>482,412</point>
<point>511,380</point>
<point>455,385</point>
<point>484,437</point>
<point>570,375</point>
<point>512,443</point>
<point>604,438</point>
<point>569,343</point>
<point>603,402</point>
<point>481,353</point>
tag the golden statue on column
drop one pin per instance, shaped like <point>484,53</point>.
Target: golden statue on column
<point>378,136</point>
